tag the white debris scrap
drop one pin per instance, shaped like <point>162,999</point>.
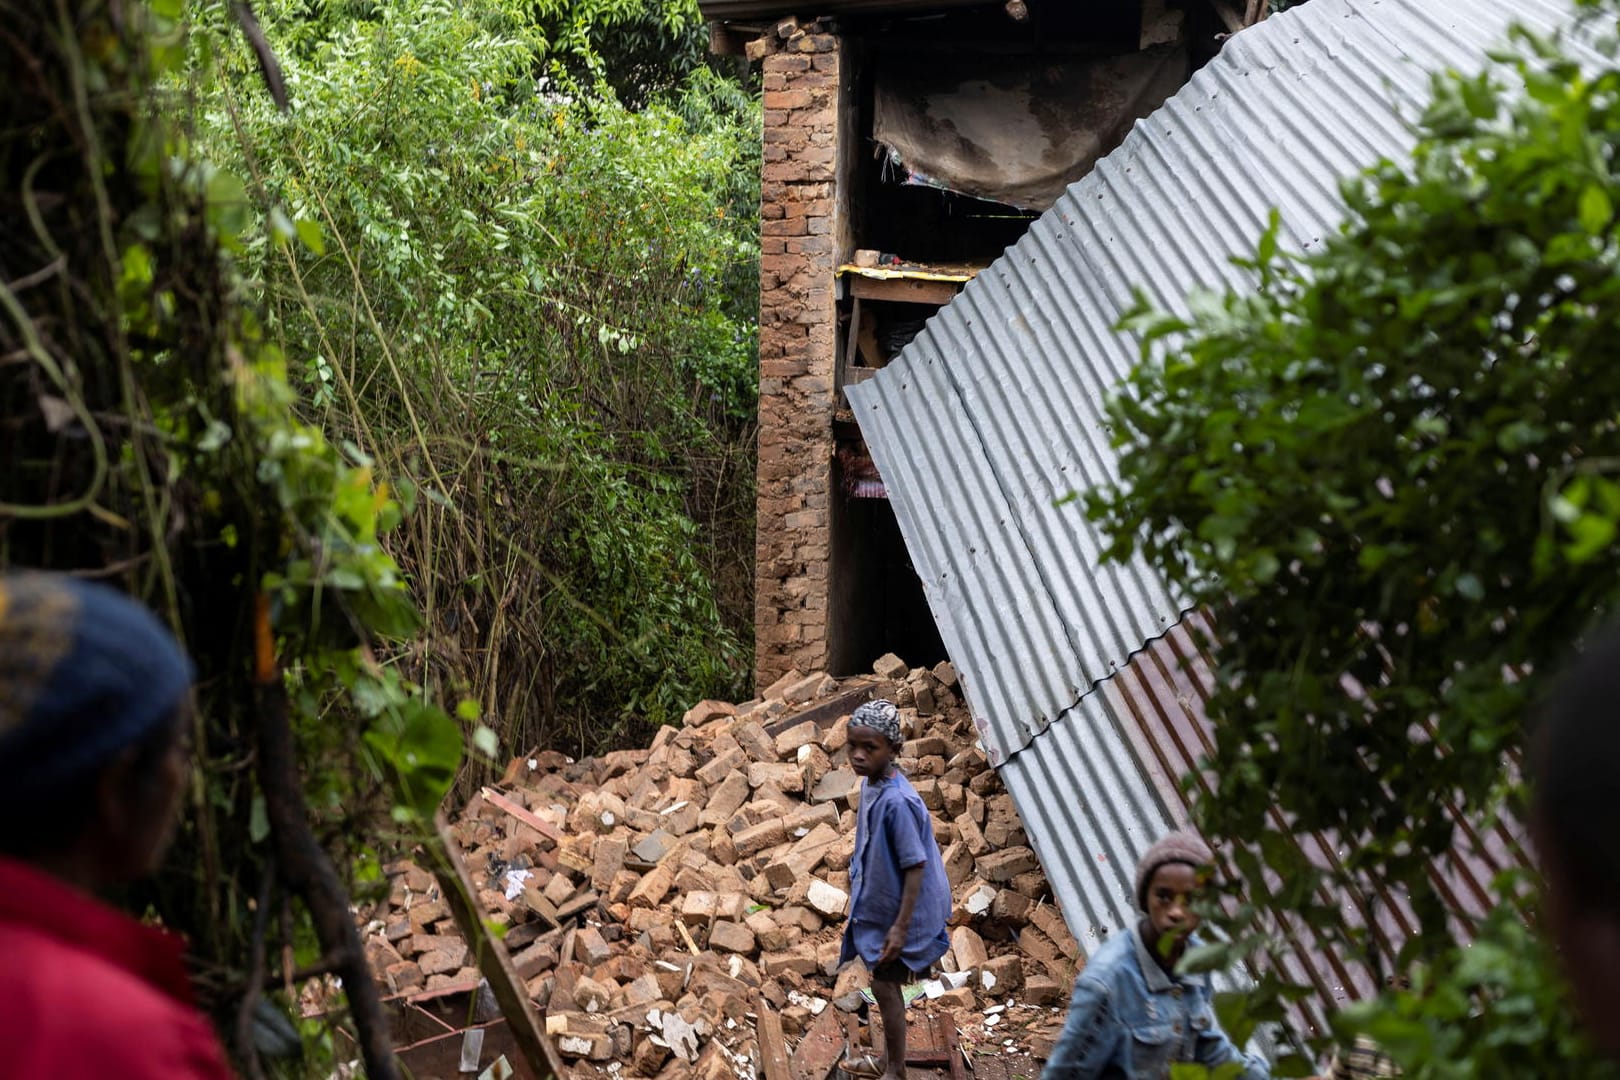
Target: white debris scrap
<point>807,1001</point>
<point>979,900</point>
<point>515,880</point>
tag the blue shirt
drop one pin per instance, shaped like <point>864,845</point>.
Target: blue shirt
<point>1129,1020</point>
<point>893,833</point>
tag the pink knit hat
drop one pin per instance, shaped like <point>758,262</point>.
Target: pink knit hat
<point>1178,847</point>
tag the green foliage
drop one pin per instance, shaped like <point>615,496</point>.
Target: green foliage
<point>1441,1030</point>
<point>640,50</point>
<point>1389,470</point>
<point>333,590</point>
<point>636,49</point>
<point>537,306</point>
<point>153,441</point>
<point>470,272</point>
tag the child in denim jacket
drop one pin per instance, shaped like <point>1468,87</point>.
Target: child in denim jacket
<point>1132,1016</point>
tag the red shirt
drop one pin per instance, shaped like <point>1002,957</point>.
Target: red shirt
<point>86,991</point>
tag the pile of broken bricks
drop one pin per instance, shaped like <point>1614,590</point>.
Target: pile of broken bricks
<point>672,909</point>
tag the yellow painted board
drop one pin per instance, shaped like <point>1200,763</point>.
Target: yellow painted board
<point>900,273</point>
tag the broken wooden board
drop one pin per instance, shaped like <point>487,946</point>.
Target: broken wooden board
<point>904,290</point>
<point>542,907</point>
<point>522,813</point>
<point>821,1049</point>
<point>825,714</point>
<point>1005,1066</point>
<point>773,1055</point>
<point>566,949</point>
<point>450,989</point>
<point>931,1043</point>
<point>956,273</point>
<point>578,905</point>
<point>459,892</point>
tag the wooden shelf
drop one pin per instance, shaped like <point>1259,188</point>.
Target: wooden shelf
<point>907,284</point>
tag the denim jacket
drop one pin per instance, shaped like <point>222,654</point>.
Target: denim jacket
<point>1128,1020</point>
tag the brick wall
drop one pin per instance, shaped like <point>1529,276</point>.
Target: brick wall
<point>797,351</point>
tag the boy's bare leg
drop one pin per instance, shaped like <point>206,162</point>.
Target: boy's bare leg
<point>892,1007</point>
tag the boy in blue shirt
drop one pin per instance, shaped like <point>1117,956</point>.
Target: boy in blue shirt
<point>1132,1016</point>
<point>900,899</point>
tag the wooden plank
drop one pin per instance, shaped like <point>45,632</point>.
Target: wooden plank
<point>931,1043</point>
<point>867,341</point>
<point>906,290</point>
<point>948,1022</point>
<point>456,885</point>
<point>565,953</point>
<point>926,1043</point>
<point>462,986</point>
<point>578,905</point>
<point>846,362</point>
<point>522,813</point>
<point>955,273</point>
<point>824,714</point>
<point>821,1049</point>
<point>773,1055</point>
<point>687,935</point>
<point>541,906</point>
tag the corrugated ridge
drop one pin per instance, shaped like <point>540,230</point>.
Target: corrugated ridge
<point>1099,786</point>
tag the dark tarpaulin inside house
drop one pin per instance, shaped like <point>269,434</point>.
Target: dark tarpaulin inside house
<point>1020,129</point>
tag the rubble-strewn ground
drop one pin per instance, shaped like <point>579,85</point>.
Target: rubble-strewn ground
<point>656,899</point>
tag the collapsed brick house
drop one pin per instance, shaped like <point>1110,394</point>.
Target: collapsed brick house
<point>907,143</point>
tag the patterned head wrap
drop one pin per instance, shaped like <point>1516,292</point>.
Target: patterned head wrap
<point>84,673</point>
<point>882,717</point>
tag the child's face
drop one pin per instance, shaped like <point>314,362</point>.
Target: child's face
<point>869,751</point>
<point>1169,896</point>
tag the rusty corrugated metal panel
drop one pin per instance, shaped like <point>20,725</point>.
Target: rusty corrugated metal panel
<point>1073,669</point>
<point>1118,761</point>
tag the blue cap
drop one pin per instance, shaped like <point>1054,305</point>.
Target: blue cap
<point>85,672</point>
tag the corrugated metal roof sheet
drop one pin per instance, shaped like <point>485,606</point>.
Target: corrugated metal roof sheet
<point>1123,753</point>
<point>1085,680</point>
<point>994,411</point>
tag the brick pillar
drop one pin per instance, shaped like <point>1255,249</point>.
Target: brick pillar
<point>797,352</point>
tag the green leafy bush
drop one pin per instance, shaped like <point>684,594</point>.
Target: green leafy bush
<point>537,306</point>
<point>152,441</point>
<point>1389,471</point>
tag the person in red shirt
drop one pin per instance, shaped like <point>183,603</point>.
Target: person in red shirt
<point>94,709</point>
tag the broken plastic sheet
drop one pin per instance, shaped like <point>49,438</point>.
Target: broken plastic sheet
<point>1021,129</point>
